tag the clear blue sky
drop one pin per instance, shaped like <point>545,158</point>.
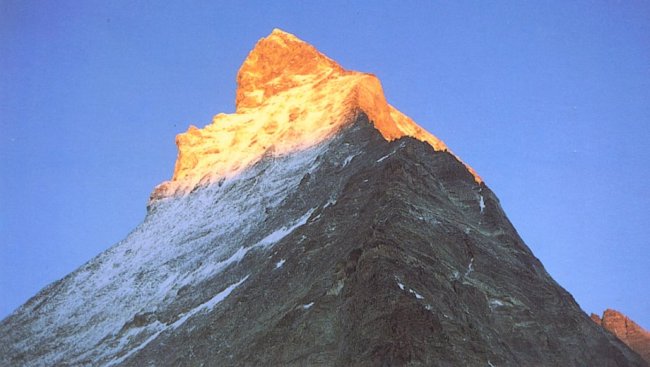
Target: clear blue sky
<point>548,101</point>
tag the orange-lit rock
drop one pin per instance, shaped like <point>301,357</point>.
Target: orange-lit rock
<point>596,319</point>
<point>637,338</point>
<point>289,97</point>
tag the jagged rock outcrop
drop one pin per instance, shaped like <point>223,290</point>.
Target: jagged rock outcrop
<point>290,97</point>
<point>316,226</point>
<point>627,330</point>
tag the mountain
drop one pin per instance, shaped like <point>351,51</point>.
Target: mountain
<point>316,225</point>
<point>627,330</point>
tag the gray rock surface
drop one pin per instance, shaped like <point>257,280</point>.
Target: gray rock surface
<point>359,252</point>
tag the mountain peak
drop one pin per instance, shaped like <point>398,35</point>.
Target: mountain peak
<point>279,62</point>
<point>290,97</point>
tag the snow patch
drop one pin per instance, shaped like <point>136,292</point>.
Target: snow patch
<point>279,234</point>
<point>182,242</point>
<point>470,267</point>
<point>410,290</point>
<point>308,305</point>
<point>384,157</point>
<point>136,349</point>
<point>279,264</point>
<point>481,203</point>
<point>330,202</point>
<point>348,159</point>
<point>495,303</point>
<point>208,305</point>
<point>210,269</point>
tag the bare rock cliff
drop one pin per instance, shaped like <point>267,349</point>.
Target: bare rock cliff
<point>627,330</point>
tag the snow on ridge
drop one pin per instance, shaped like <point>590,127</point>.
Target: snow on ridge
<point>208,305</point>
<point>132,351</point>
<point>211,269</point>
<point>182,241</point>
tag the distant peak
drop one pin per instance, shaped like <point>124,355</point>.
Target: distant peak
<point>290,97</point>
<point>628,331</point>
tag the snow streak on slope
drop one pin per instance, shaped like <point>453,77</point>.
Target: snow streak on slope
<point>285,230</point>
<point>101,309</point>
<point>209,305</point>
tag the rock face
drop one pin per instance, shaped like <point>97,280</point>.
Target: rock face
<point>358,248</point>
<point>290,97</point>
<point>627,330</point>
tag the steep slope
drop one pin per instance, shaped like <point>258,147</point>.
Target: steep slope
<point>627,330</point>
<point>343,246</point>
<point>399,263</point>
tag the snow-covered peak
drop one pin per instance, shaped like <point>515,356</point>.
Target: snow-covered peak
<point>290,97</point>
<point>277,63</point>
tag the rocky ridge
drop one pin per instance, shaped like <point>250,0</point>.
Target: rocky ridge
<point>627,330</point>
<point>290,97</point>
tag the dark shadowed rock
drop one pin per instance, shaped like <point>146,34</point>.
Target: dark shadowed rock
<point>396,264</point>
